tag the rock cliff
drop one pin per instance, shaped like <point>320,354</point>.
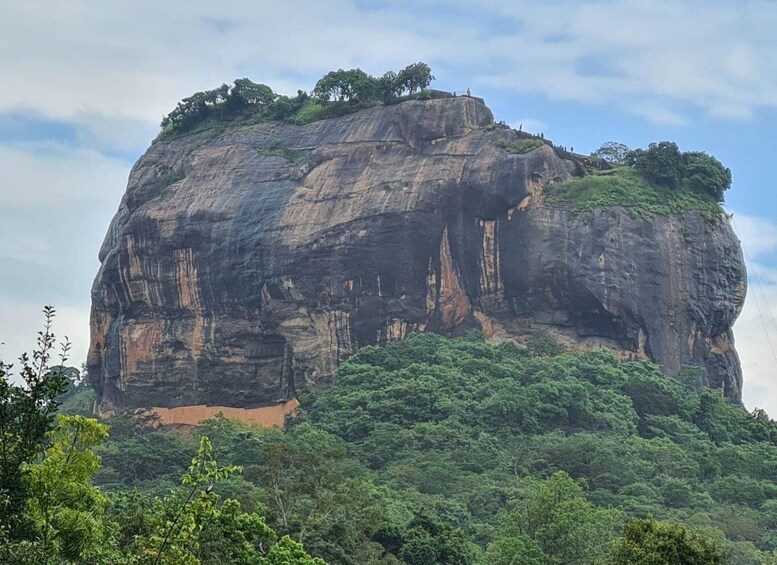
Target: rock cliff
<point>246,263</point>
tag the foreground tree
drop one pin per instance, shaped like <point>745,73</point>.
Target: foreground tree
<point>66,510</point>
<point>552,522</point>
<point>26,417</point>
<point>649,542</point>
<point>192,526</point>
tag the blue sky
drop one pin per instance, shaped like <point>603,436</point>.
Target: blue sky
<point>85,84</point>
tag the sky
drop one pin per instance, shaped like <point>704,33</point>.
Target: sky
<point>86,82</point>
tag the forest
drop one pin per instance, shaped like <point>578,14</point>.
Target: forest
<point>428,450</point>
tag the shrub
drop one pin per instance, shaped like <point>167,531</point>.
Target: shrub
<point>311,111</point>
<point>520,146</point>
<point>662,163</point>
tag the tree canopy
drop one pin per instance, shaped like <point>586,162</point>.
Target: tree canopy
<point>648,542</point>
<point>415,77</point>
<point>664,164</point>
<point>346,86</point>
<point>337,92</point>
<point>705,174</point>
<point>613,152</point>
<point>355,85</point>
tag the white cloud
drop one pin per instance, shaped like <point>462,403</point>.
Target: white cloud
<point>659,113</point>
<point>756,342</point>
<point>756,329</point>
<point>52,173</point>
<point>134,60</point>
<point>758,235</point>
<point>57,203</point>
<point>115,134</point>
<point>90,62</point>
<point>19,334</point>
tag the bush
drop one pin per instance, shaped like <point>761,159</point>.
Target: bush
<point>311,111</point>
<point>664,165</point>
<point>519,146</point>
<point>661,164</point>
<point>706,175</point>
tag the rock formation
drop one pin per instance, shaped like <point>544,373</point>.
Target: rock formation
<point>248,262</point>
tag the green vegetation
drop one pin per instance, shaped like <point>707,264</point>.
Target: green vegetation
<point>427,451</point>
<point>289,153</point>
<point>659,180</point>
<point>624,187</point>
<point>663,164</point>
<point>27,413</point>
<point>54,513</point>
<point>647,542</point>
<point>520,146</point>
<point>356,85</point>
<point>215,109</point>
<point>550,521</point>
<point>339,92</point>
<point>470,429</point>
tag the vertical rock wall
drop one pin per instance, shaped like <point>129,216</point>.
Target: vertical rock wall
<point>232,276</point>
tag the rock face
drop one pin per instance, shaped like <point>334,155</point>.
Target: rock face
<point>247,263</point>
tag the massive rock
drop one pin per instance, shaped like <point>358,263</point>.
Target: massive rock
<point>246,263</point>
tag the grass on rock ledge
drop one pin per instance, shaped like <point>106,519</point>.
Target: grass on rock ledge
<point>625,188</point>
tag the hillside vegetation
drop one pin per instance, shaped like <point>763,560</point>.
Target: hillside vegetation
<point>471,428</point>
<point>427,451</point>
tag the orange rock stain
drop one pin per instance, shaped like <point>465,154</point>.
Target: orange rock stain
<point>266,416</point>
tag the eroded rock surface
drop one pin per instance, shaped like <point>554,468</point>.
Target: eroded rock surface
<point>245,264</point>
